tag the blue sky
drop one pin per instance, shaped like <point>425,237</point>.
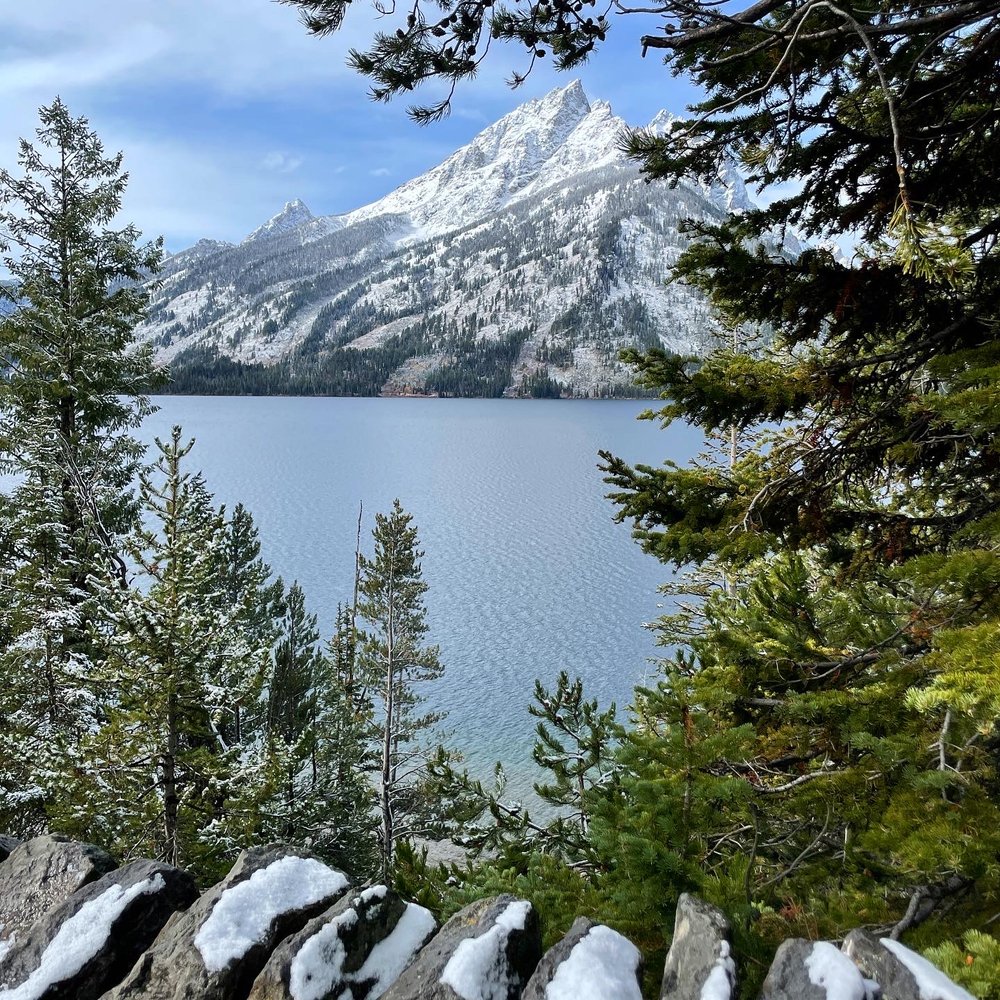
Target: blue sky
<point>226,109</point>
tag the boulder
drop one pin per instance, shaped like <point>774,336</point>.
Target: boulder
<point>7,844</point>
<point>699,964</point>
<point>217,948</point>
<point>902,974</point>
<point>815,970</point>
<point>592,962</point>
<point>88,944</point>
<point>487,951</point>
<point>41,874</point>
<point>360,945</point>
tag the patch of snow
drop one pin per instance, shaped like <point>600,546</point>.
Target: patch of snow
<point>602,964</point>
<point>386,961</point>
<point>932,983</point>
<point>318,966</point>
<point>243,914</point>
<point>80,938</point>
<point>831,969</point>
<point>478,968</point>
<point>722,978</point>
<point>5,944</point>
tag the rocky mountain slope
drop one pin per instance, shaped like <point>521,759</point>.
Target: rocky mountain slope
<point>520,265</point>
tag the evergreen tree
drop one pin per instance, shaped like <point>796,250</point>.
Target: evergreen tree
<point>292,718</point>
<point>71,391</point>
<point>394,661</point>
<point>164,781</point>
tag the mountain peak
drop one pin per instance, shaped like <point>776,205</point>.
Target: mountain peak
<point>571,96</point>
<point>294,214</point>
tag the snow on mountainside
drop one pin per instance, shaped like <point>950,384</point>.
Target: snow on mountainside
<point>293,215</point>
<point>521,264</point>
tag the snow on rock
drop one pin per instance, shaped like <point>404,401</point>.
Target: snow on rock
<point>699,964</point>
<point>815,970</point>
<point>88,943</point>
<point>591,962</point>
<point>79,939</point>
<point>602,966</point>
<point>832,970</point>
<point>486,951</point>
<point>244,913</point>
<point>356,950</point>
<point>388,959</point>
<point>319,964</point>
<point>478,970</point>
<point>932,983</point>
<point>216,949</point>
<point>722,977</point>
<point>41,874</point>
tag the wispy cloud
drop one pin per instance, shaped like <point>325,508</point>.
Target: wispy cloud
<point>380,172</point>
<point>281,163</point>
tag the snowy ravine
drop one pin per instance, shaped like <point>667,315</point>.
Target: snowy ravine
<point>534,253</point>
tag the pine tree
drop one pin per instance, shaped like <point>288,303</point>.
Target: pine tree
<point>394,661</point>
<point>293,704</point>
<point>163,780</point>
<point>72,390</point>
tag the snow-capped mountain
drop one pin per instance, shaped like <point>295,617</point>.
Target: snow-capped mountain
<point>521,264</point>
<point>293,215</point>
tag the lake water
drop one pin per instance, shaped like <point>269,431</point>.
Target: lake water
<point>528,572</point>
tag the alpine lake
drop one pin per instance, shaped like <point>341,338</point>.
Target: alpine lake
<point>528,572</point>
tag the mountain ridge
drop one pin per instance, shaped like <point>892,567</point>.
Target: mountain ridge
<point>519,265</point>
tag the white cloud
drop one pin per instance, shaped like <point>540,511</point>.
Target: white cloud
<point>281,163</point>
<point>380,172</point>
<point>75,66</point>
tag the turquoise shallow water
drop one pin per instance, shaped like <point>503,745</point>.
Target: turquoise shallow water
<point>528,573</point>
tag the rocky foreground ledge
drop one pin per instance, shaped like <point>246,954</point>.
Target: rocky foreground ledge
<point>283,925</point>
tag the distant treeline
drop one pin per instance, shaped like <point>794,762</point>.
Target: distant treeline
<point>479,370</point>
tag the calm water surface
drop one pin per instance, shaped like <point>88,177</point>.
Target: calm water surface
<point>528,573</point>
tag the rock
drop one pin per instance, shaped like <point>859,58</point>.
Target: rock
<point>360,944</point>
<point>876,963</point>
<point>487,951</point>
<point>41,874</point>
<point>217,948</point>
<point>699,965</point>
<point>7,844</point>
<point>88,944</point>
<point>592,962</point>
<point>815,970</point>
<point>902,974</point>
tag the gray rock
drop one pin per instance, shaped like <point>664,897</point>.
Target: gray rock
<point>87,945</point>
<point>7,844</point>
<point>491,947</point>
<point>615,961</point>
<point>40,875</point>
<point>875,962</point>
<point>814,970</point>
<point>873,957</point>
<point>700,950</point>
<point>217,948</point>
<point>360,944</point>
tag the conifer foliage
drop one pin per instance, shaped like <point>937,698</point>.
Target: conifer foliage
<point>394,661</point>
<point>72,391</point>
<point>832,724</point>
